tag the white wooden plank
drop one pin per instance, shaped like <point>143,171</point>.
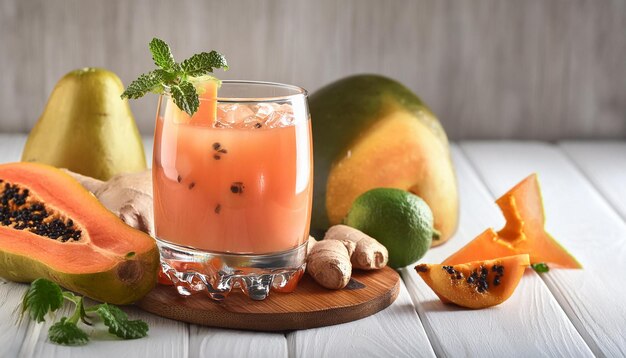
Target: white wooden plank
<point>583,222</point>
<point>12,329</point>
<point>604,164</point>
<point>166,338</point>
<point>393,332</point>
<point>531,322</point>
<point>213,342</point>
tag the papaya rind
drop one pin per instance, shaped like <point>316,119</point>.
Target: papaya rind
<point>116,265</point>
<point>104,286</point>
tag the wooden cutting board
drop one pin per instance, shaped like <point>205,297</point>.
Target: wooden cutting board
<point>309,306</point>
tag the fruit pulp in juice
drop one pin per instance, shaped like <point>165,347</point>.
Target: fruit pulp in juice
<point>232,186</point>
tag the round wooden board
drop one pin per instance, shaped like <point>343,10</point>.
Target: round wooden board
<point>309,306</point>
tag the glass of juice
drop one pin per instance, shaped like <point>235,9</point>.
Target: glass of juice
<point>233,187</point>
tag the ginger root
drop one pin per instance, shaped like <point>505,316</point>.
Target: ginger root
<point>128,196</point>
<point>369,254</point>
<point>330,261</point>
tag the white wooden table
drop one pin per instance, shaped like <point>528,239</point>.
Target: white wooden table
<point>564,313</point>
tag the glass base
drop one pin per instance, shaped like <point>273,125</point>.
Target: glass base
<point>217,273</point>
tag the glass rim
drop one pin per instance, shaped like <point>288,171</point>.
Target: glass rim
<point>299,91</point>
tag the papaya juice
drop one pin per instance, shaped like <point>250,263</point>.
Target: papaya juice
<point>241,183</point>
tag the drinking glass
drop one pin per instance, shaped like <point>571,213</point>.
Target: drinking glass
<point>233,190</point>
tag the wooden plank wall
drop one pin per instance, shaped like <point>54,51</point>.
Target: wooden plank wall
<point>532,69</point>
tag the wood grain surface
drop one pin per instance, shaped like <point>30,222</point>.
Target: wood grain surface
<point>533,69</point>
<point>393,332</point>
<point>530,321</point>
<point>583,222</point>
<point>563,313</point>
<point>309,306</point>
<point>603,164</point>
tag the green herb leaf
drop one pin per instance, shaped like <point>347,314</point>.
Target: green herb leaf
<point>118,323</point>
<point>148,82</point>
<point>540,267</point>
<point>68,333</point>
<point>203,63</point>
<point>83,314</point>
<point>185,97</point>
<point>42,297</point>
<point>176,77</point>
<point>161,54</point>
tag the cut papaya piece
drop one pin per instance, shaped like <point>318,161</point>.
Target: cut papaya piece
<point>51,227</point>
<point>524,232</point>
<point>207,109</point>
<point>476,284</point>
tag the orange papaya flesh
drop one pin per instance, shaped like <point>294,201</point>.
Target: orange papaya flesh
<point>486,246</point>
<point>524,231</point>
<point>51,227</point>
<point>207,109</point>
<point>476,284</point>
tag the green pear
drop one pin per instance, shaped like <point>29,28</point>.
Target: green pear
<point>87,128</point>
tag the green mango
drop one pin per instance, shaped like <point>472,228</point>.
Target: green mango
<point>87,128</point>
<point>369,132</point>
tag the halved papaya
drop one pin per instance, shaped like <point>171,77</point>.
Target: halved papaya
<point>51,227</point>
<point>524,231</point>
<point>477,284</point>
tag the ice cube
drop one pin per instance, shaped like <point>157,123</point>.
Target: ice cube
<point>262,110</point>
<point>278,119</point>
<point>260,115</point>
<point>232,115</point>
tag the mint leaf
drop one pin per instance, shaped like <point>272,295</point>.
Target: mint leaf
<point>185,97</point>
<point>118,323</point>
<point>540,267</point>
<point>203,63</point>
<point>175,77</point>
<point>68,333</point>
<point>148,82</point>
<point>161,54</point>
<point>42,297</point>
<point>45,296</point>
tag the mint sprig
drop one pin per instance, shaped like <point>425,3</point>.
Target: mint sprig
<point>162,54</point>
<point>119,324</point>
<point>67,333</point>
<point>174,77</point>
<point>540,267</point>
<point>203,63</point>
<point>185,97</point>
<point>45,296</point>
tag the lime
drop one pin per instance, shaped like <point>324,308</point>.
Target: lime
<point>401,221</point>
